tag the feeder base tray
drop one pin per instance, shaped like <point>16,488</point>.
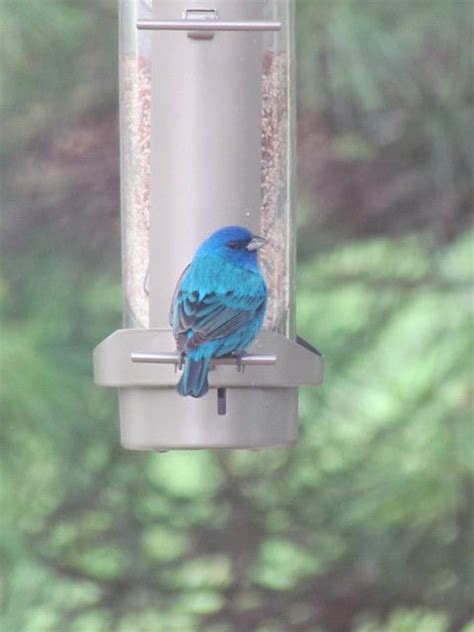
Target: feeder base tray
<point>158,419</point>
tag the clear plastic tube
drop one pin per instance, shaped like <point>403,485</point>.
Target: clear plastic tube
<point>277,223</point>
<point>277,138</point>
<point>135,137</point>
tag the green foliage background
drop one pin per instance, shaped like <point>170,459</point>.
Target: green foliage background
<point>366,524</point>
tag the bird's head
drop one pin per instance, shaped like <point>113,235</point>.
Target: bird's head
<point>235,244</point>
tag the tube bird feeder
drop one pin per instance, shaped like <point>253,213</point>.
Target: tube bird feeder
<point>207,140</point>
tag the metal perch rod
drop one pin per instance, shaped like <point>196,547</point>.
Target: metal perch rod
<point>174,358</point>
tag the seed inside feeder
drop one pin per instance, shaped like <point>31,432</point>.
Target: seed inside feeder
<point>136,120</point>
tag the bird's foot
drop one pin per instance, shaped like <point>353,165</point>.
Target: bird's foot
<point>238,359</point>
<point>179,366</point>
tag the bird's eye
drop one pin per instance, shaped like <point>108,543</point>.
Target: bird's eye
<point>233,245</point>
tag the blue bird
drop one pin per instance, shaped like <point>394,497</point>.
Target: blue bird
<point>218,305</point>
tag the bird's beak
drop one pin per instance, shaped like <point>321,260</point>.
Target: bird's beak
<point>255,243</point>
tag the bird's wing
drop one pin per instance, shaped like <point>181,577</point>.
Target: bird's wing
<point>175,295</point>
<point>213,316</point>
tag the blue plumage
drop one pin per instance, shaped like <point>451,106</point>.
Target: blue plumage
<point>218,305</point>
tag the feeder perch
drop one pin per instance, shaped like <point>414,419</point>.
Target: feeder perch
<point>207,140</point>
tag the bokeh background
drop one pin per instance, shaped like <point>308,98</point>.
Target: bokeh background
<point>366,524</point>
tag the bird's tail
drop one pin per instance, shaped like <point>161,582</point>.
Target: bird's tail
<point>194,379</point>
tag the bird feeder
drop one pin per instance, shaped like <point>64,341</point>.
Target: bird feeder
<point>207,140</point>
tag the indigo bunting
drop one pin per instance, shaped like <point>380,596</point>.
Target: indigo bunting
<point>218,305</point>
